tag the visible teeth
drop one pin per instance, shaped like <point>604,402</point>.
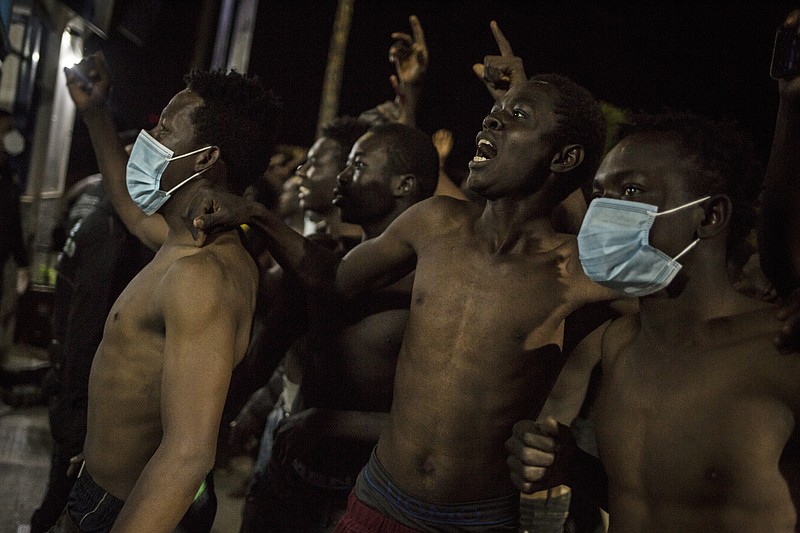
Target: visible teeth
<point>484,141</point>
<point>479,158</point>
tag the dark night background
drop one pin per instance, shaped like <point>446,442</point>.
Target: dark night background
<point>709,57</point>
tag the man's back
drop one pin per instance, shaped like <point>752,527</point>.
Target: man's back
<point>710,440</point>
<point>135,357</point>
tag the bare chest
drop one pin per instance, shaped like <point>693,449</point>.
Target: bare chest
<point>676,426</point>
<point>519,300</point>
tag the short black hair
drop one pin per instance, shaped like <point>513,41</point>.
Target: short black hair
<point>726,162</point>
<point>345,130</point>
<point>241,117</point>
<point>411,150</point>
<point>581,121</point>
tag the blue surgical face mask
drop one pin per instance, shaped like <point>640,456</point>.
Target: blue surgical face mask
<point>147,163</point>
<point>614,247</point>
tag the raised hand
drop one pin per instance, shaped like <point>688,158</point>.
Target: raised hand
<point>89,82</point>
<point>791,87</point>
<point>443,141</point>
<point>499,73</point>
<point>409,53</point>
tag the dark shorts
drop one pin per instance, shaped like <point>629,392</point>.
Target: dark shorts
<point>375,489</point>
<point>91,507</point>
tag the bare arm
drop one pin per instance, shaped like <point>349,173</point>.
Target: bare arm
<point>89,85</point>
<point>568,394</point>
<point>380,261</point>
<point>779,245</point>
<point>200,350</point>
<point>313,264</point>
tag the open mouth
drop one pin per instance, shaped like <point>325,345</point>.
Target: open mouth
<point>486,151</point>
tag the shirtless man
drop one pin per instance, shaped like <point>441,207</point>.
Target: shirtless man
<point>349,354</point>
<point>493,285</point>
<point>696,418</point>
<point>161,373</point>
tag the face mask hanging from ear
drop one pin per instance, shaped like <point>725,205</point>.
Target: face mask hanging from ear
<point>147,163</point>
<point>614,247</point>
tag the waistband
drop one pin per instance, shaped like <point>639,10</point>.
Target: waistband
<point>375,488</point>
<point>90,505</point>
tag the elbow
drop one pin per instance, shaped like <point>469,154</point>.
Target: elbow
<point>197,459</point>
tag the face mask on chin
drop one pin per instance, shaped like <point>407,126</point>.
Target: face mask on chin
<point>146,165</point>
<point>614,247</point>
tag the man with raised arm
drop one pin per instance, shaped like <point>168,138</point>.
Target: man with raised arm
<point>493,285</point>
<point>160,376</point>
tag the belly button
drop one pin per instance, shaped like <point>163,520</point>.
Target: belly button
<point>714,475</point>
<point>425,467</point>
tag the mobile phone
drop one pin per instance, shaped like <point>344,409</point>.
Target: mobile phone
<point>785,62</point>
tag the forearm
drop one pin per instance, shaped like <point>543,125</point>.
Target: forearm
<point>779,245</point>
<point>313,264</point>
<point>165,490</point>
<point>112,161</point>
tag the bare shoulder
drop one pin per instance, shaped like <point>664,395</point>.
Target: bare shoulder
<point>618,335</point>
<point>220,272</point>
<point>750,335</point>
<point>438,214</point>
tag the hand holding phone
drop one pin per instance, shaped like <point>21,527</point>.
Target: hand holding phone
<point>785,62</point>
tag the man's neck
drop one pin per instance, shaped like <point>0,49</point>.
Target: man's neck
<point>697,296</point>
<point>508,223</point>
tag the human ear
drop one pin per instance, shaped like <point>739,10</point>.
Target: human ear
<point>568,158</point>
<point>404,185</point>
<point>206,158</point>
<point>717,216</point>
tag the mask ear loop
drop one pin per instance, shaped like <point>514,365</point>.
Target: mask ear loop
<point>193,176</point>
<point>694,202</point>
<point>187,180</point>
<point>685,250</point>
<point>668,211</point>
<point>188,153</point>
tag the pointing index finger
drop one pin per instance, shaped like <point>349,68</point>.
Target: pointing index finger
<point>416,29</point>
<point>502,42</point>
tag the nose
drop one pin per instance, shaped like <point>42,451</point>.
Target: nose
<point>492,122</point>
<point>345,177</point>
